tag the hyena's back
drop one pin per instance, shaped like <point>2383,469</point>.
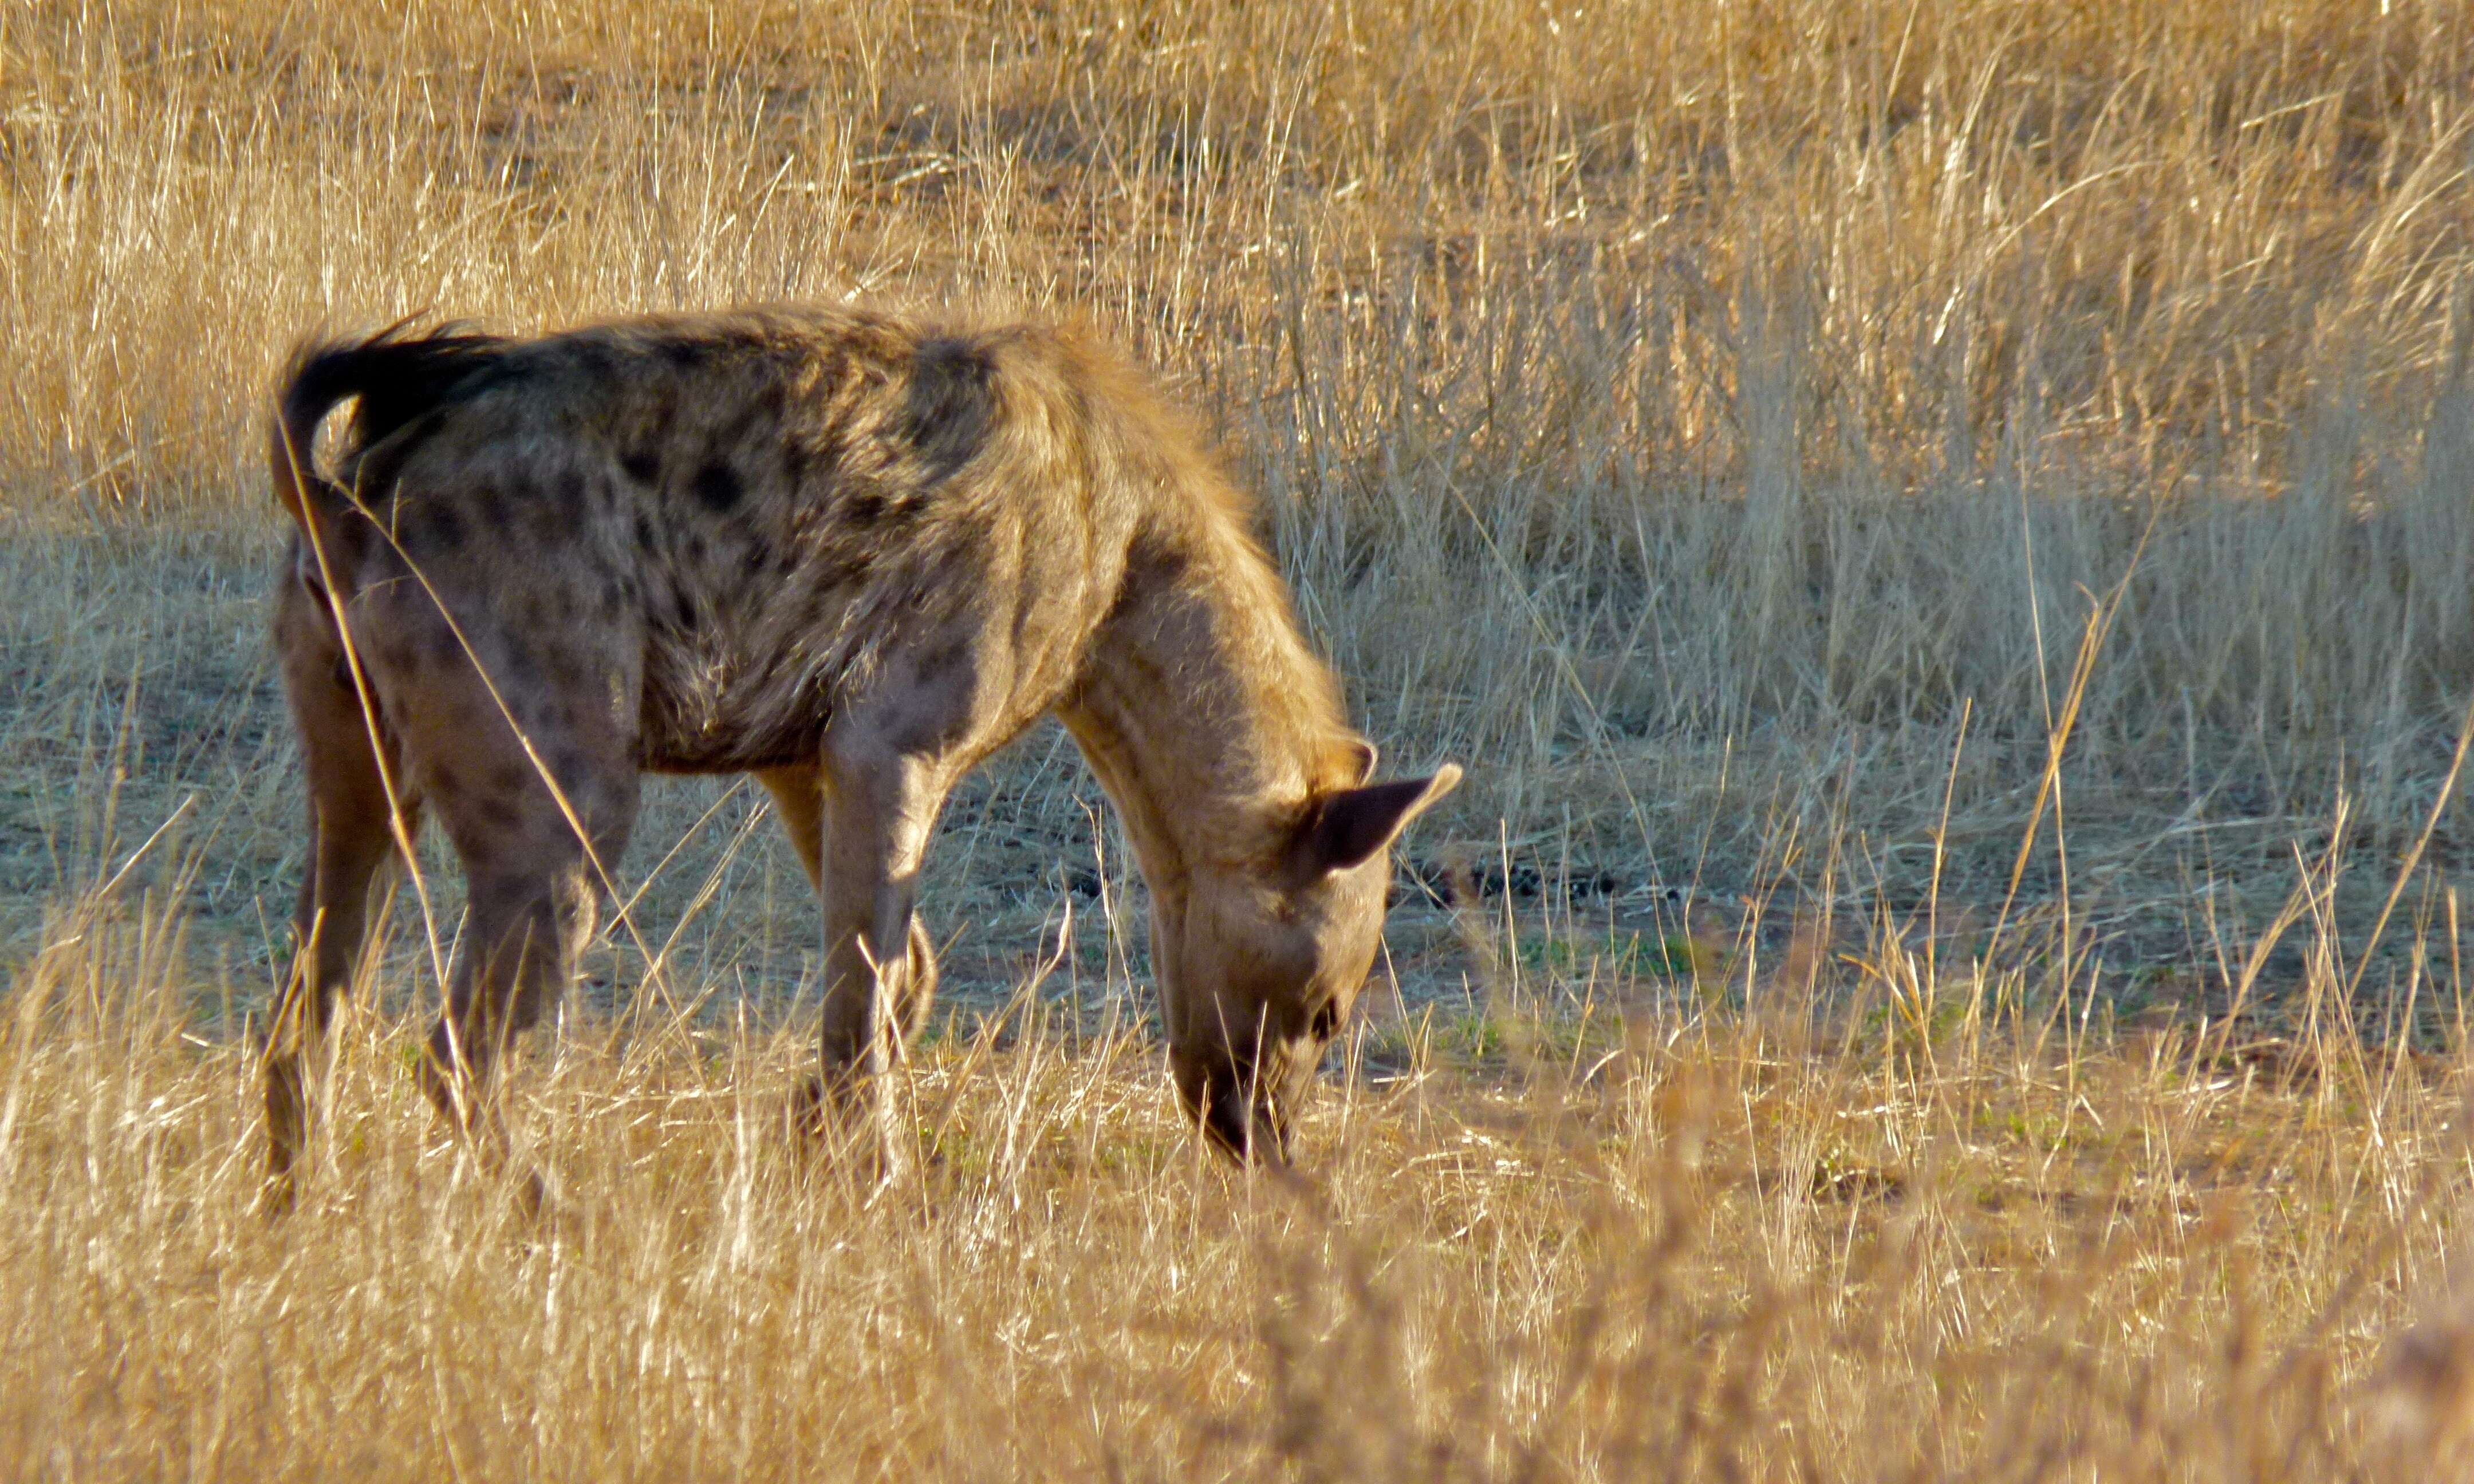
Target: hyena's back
<point>717,528</point>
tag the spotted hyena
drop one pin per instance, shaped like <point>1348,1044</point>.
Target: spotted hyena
<point>850,554</point>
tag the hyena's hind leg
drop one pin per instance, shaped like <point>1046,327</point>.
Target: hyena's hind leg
<point>523,929</point>
<point>535,856</point>
<point>798,800</point>
<point>353,843</point>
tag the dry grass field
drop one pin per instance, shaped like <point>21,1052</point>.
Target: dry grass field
<point>1942,529</point>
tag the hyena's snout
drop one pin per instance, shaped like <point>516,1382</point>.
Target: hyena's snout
<point>1244,1101</point>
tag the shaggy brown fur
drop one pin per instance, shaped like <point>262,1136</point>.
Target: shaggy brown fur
<point>854,555</point>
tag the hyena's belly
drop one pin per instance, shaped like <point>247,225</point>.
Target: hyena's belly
<point>737,693</point>
<point>708,724</point>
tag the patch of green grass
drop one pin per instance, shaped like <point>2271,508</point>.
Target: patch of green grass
<point>1619,954</point>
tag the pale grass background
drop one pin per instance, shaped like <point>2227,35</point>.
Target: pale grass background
<point>1749,435</point>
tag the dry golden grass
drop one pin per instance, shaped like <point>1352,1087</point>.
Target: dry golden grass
<point>1972,496</point>
<point>1621,1243</point>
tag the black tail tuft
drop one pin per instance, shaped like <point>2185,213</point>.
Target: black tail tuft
<point>396,374</point>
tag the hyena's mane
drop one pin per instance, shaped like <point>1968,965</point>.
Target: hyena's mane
<point>1202,536</point>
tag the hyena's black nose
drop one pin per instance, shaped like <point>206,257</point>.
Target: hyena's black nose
<point>1239,1115</point>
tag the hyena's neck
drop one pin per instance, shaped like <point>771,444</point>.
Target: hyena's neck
<point>1202,710</point>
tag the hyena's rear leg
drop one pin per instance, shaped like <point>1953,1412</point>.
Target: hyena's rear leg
<point>535,856</point>
<point>352,844</point>
<point>524,931</point>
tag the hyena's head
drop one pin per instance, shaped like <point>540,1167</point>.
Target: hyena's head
<point>1260,965</point>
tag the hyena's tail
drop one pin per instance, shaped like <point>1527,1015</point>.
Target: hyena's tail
<point>398,373</point>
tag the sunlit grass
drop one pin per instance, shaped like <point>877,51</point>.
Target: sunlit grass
<point>1717,1243</point>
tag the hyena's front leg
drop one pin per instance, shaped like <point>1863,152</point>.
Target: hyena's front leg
<point>352,844</point>
<point>878,812</point>
<point>798,800</point>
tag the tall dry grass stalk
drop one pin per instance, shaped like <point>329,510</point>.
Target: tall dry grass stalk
<point>1973,496</point>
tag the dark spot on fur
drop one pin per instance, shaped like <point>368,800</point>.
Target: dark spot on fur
<point>519,669</point>
<point>863,509</point>
<point>396,653</point>
<point>511,777</point>
<point>491,505</point>
<point>641,466</point>
<point>961,657</point>
<point>1161,565</point>
<point>951,404</point>
<point>431,532</point>
<point>645,539</point>
<point>499,811</point>
<point>594,357</point>
<point>343,674</point>
<point>694,548</point>
<point>573,491</point>
<point>683,616</point>
<point>1167,565</point>
<point>686,355</point>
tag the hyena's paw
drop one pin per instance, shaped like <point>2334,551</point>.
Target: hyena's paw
<point>853,1129</point>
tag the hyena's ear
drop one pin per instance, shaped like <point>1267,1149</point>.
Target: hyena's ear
<point>1347,827</point>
